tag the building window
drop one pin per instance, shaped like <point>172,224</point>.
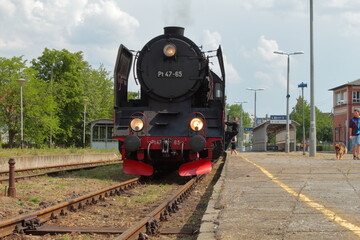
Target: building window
<point>356,97</point>
<point>102,133</point>
<point>341,98</point>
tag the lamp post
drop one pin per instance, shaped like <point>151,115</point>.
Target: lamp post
<point>302,86</point>
<point>312,89</point>
<point>287,136</point>
<point>21,81</point>
<point>241,125</point>
<point>85,101</point>
<point>51,89</point>
<point>255,90</point>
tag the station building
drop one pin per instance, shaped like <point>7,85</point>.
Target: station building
<point>101,132</point>
<point>346,98</point>
<point>277,127</point>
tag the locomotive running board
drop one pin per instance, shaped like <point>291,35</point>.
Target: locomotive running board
<point>137,168</point>
<point>198,167</point>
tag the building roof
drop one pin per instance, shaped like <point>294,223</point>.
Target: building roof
<point>353,83</point>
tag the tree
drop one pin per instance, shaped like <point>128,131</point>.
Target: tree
<point>68,84</point>
<point>10,72</point>
<point>236,110</point>
<point>36,102</point>
<point>323,122</point>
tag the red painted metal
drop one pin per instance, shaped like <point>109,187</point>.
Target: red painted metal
<point>198,167</point>
<point>176,142</point>
<point>137,168</point>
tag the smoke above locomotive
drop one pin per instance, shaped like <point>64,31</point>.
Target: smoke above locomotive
<point>178,121</point>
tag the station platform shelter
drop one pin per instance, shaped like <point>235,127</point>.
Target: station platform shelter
<point>101,132</point>
<point>262,131</point>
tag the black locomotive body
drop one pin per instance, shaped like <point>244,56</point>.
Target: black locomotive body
<point>178,121</point>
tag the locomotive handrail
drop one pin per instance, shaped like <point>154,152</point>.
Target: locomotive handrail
<point>134,70</point>
<point>148,150</point>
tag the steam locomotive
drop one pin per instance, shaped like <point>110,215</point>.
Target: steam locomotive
<point>177,122</point>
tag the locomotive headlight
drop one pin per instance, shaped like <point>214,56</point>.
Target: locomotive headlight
<point>169,50</point>
<point>137,124</point>
<point>196,124</point>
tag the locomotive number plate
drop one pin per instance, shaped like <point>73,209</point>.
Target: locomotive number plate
<point>168,74</point>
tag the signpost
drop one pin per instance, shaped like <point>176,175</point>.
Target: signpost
<point>278,119</point>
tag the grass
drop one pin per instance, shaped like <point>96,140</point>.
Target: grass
<point>48,151</point>
<point>35,199</point>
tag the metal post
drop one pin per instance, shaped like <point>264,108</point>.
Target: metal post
<point>21,82</point>
<point>287,136</point>
<point>312,85</point>
<point>11,189</point>
<point>255,90</point>
<point>241,132</point>
<point>302,86</point>
<point>303,120</point>
<point>85,102</point>
<point>255,109</point>
<point>51,90</point>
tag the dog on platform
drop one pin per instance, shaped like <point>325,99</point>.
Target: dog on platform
<point>340,150</point>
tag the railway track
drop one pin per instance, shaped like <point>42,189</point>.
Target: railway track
<point>98,163</point>
<point>64,169</point>
<point>34,223</point>
<point>34,220</point>
<point>146,225</point>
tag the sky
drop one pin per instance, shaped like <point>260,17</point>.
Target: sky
<point>249,31</point>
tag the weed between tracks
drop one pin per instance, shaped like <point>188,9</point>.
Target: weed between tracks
<point>41,192</point>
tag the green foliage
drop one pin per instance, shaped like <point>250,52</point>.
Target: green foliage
<point>324,122</point>
<point>236,110</point>
<point>10,72</point>
<point>133,95</point>
<point>56,84</point>
<point>35,199</point>
<point>69,84</point>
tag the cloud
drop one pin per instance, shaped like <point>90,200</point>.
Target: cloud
<point>94,27</point>
<point>212,41</point>
<point>102,23</point>
<point>272,65</point>
<point>352,21</point>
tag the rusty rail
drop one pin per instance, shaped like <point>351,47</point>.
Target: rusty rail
<point>63,166</point>
<point>58,171</point>
<point>150,224</point>
<point>31,221</point>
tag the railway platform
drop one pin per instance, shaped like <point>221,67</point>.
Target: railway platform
<point>285,196</point>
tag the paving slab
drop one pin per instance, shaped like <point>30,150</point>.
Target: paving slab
<point>286,196</point>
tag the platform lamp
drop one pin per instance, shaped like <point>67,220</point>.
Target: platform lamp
<point>255,90</point>
<point>241,133</point>
<point>59,63</point>
<point>287,136</point>
<point>85,101</point>
<point>302,86</point>
<point>21,82</point>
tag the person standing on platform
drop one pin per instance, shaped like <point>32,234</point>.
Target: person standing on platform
<point>233,145</point>
<point>354,133</point>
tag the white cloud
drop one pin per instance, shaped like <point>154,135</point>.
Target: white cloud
<point>7,8</point>
<point>352,20</point>
<point>94,27</point>
<point>340,3</point>
<point>212,40</point>
<point>272,66</point>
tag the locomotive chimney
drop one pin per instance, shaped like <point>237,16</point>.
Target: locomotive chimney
<point>174,30</point>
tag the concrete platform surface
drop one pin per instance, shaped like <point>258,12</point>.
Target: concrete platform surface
<point>285,196</point>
